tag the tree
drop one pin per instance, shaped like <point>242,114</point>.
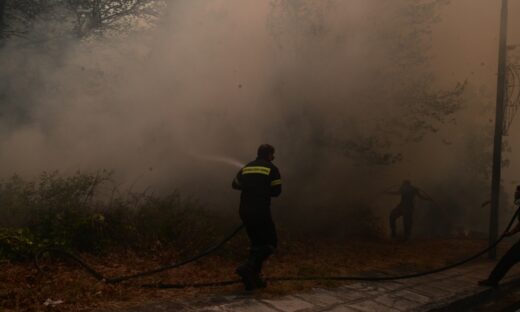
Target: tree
<point>96,15</point>
<point>16,15</point>
<point>79,17</point>
<point>384,74</point>
<point>2,17</point>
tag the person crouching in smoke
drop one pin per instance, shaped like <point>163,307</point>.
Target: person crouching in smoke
<point>511,257</point>
<point>258,181</point>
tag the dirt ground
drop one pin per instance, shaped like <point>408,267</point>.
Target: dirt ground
<point>23,288</point>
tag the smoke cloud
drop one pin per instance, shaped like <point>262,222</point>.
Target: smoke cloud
<point>333,85</point>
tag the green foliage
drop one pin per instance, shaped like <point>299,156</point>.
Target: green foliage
<point>72,213</point>
<point>16,244</point>
<point>168,217</point>
<point>63,214</point>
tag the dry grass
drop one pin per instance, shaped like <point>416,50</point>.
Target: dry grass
<point>23,289</point>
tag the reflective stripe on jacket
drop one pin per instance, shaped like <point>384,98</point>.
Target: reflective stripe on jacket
<point>259,180</point>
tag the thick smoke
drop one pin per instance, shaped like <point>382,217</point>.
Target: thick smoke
<point>333,85</point>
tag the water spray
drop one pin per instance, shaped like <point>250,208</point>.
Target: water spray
<point>221,159</point>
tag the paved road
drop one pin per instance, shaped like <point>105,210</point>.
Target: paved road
<point>441,291</point>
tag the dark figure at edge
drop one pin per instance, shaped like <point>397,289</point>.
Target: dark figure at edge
<point>511,257</point>
<point>405,208</point>
<point>259,180</point>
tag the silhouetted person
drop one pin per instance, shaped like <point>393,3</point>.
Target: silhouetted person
<point>259,180</point>
<point>405,208</point>
<point>511,257</point>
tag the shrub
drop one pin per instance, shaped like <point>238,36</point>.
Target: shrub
<point>71,213</point>
<point>16,244</point>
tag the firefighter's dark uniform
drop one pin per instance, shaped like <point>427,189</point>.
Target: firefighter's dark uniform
<point>511,257</point>
<point>404,209</point>
<point>259,180</point>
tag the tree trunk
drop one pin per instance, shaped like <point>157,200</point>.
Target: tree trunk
<point>96,15</point>
<point>2,18</point>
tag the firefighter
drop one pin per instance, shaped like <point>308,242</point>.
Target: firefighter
<point>258,181</point>
<point>405,208</point>
<point>511,257</point>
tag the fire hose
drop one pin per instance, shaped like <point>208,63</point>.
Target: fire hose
<point>113,280</point>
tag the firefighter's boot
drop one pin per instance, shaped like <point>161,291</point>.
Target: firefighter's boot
<point>257,258</point>
<point>247,274</point>
<point>250,270</point>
